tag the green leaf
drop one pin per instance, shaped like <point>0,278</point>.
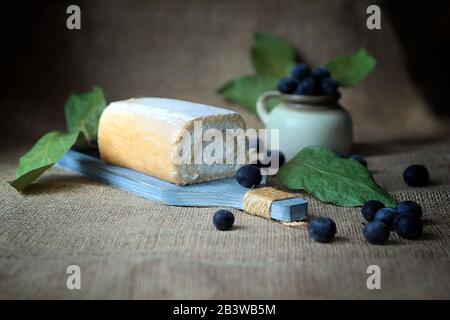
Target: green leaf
<point>350,70</point>
<point>45,153</point>
<point>246,90</point>
<point>83,112</point>
<point>343,182</point>
<point>272,55</point>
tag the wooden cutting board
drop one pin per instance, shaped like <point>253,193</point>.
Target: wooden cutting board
<point>218,193</point>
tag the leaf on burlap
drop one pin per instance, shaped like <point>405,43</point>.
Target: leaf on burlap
<point>45,153</point>
<point>331,179</point>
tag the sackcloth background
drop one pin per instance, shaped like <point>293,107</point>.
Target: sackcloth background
<point>132,248</point>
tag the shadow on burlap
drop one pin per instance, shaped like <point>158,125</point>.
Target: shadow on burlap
<point>129,247</point>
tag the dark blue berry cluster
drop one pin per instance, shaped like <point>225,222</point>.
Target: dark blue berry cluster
<point>303,81</point>
<point>405,220</point>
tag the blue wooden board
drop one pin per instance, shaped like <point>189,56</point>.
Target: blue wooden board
<point>218,193</point>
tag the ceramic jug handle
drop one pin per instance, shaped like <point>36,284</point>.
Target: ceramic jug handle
<point>261,109</point>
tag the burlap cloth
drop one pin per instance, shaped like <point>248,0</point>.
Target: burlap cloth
<point>129,247</point>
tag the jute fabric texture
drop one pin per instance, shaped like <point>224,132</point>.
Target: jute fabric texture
<point>128,247</point>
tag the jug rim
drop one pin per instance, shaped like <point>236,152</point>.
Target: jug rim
<point>294,98</point>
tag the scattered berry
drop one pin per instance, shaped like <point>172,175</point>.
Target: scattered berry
<point>416,175</point>
<point>322,229</point>
<point>376,232</point>
<point>320,73</point>
<point>223,220</point>
<point>281,157</point>
<point>370,208</point>
<point>409,207</point>
<point>270,155</point>
<point>255,143</point>
<point>287,85</point>
<point>259,164</point>
<point>359,158</point>
<point>386,215</point>
<point>337,153</point>
<point>408,226</point>
<point>307,87</point>
<point>329,86</point>
<point>249,176</point>
<point>300,71</point>
<point>267,159</point>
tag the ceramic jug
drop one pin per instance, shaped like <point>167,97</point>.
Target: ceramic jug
<point>307,120</point>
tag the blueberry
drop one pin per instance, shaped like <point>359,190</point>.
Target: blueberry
<point>270,155</point>
<point>320,73</point>
<point>359,158</point>
<point>337,153</point>
<point>307,87</point>
<point>300,71</point>
<point>376,232</point>
<point>329,86</point>
<point>416,175</point>
<point>280,155</point>
<point>370,208</point>
<point>267,157</point>
<point>259,164</point>
<point>322,229</point>
<point>386,215</point>
<point>287,85</point>
<point>318,91</point>
<point>408,226</point>
<point>255,143</point>
<point>409,207</point>
<point>223,220</point>
<point>249,176</point>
